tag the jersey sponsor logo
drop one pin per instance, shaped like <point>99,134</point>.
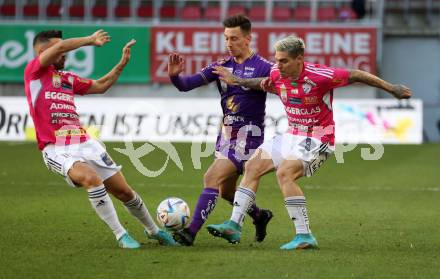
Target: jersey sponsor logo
<point>70,132</point>
<point>53,95</point>
<point>306,121</point>
<point>295,101</point>
<point>54,106</point>
<point>64,115</point>
<point>66,85</point>
<point>238,72</point>
<point>311,100</point>
<point>231,119</point>
<point>56,80</point>
<point>303,111</point>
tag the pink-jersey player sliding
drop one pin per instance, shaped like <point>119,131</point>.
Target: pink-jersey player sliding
<point>67,149</point>
<point>306,91</point>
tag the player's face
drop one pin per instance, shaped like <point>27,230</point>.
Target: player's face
<point>288,66</point>
<point>59,63</point>
<point>237,43</point>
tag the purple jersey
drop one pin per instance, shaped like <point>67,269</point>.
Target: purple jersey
<point>241,106</point>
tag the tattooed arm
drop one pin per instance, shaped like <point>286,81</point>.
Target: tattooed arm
<point>397,90</point>
<point>229,78</point>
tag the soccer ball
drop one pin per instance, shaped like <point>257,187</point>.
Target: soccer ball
<point>173,214</point>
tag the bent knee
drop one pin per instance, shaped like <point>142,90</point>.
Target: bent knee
<point>287,174</point>
<point>89,180</point>
<point>213,179</point>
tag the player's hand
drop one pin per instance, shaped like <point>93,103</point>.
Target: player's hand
<point>225,75</point>
<point>176,64</point>
<point>126,52</point>
<point>268,86</point>
<point>99,38</point>
<point>401,91</point>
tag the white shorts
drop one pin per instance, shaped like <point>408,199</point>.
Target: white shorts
<point>310,151</point>
<point>60,159</point>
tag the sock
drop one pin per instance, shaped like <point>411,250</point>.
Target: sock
<point>138,209</point>
<point>253,212</point>
<point>103,206</point>
<point>205,205</point>
<point>243,200</point>
<point>296,207</point>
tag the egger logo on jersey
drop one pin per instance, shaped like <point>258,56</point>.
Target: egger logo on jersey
<point>53,95</point>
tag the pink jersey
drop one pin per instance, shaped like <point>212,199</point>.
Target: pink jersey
<point>50,95</point>
<point>308,99</point>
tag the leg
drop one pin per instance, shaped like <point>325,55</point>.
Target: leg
<point>85,176</point>
<point>119,188</point>
<point>260,217</point>
<point>287,174</point>
<point>259,164</point>
<point>221,170</point>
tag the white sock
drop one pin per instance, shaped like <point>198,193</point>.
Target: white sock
<point>138,209</point>
<point>103,205</point>
<point>296,207</point>
<point>243,200</point>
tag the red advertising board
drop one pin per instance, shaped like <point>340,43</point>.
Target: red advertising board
<point>353,48</point>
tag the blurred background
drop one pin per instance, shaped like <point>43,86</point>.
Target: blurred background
<point>399,40</point>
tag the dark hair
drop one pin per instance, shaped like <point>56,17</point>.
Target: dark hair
<point>45,36</point>
<point>239,20</point>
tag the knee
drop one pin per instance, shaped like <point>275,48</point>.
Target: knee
<point>285,175</point>
<point>89,179</point>
<point>212,179</point>
<point>253,170</point>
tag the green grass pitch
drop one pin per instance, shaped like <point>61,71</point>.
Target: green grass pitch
<point>372,219</point>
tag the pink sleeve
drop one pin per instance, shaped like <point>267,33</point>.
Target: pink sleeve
<point>34,69</point>
<point>274,74</point>
<point>340,77</point>
<point>81,85</point>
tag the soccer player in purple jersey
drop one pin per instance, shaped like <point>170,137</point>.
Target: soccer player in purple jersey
<point>242,128</point>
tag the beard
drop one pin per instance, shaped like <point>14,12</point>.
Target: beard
<point>59,65</point>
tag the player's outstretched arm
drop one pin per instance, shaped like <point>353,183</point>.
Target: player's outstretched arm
<point>51,55</point>
<point>176,65</point>
<point>226,76</point>
<point>397,90</point>
<point>101,85</point>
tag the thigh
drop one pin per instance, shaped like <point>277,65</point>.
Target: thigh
<point>95,154</point>
<point>60,161</point>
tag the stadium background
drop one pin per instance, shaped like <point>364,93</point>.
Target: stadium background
<point>397,39</point>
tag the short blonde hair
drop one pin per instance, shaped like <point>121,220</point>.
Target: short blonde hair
<point>293,45</point>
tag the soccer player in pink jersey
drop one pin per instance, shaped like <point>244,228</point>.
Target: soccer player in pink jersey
<point>66,147</point>
<point>306,91</point>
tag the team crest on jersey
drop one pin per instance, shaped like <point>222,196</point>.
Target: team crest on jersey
<point>306,88</point>
<point>71,79</point>
<point>308,85</point>
<point>56,80</point>
<point>231,105</point>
